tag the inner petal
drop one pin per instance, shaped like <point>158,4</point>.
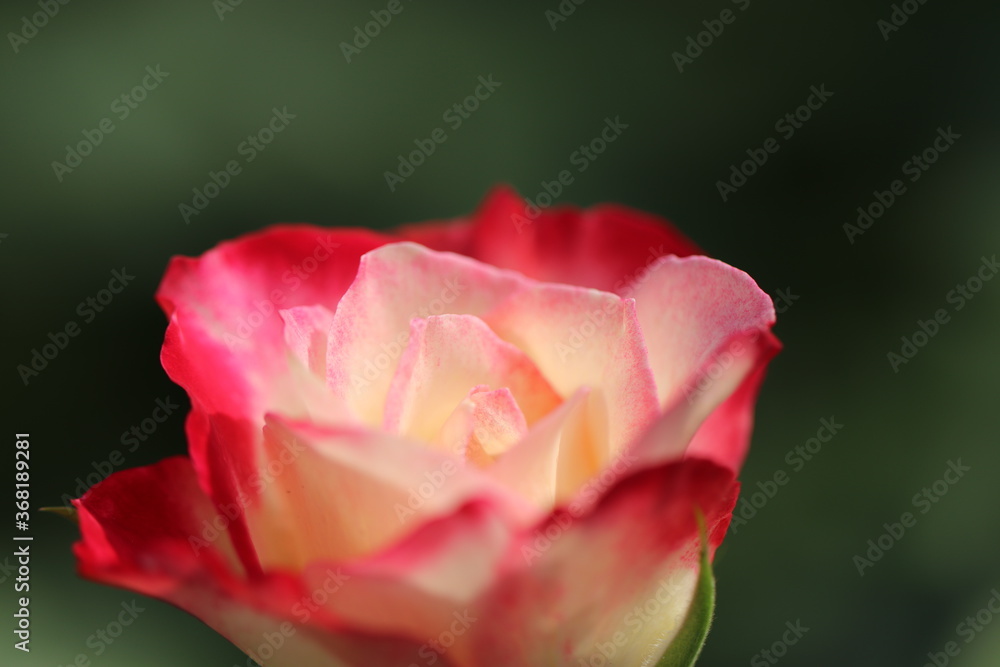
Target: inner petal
<point>484,425</point>
<point>338,493</point>
<point>556,457</point>
<point>446,356</point>
<point>395,284</point>
<point>306,338</point>
<point>306,333</point>
<point>586,338</point>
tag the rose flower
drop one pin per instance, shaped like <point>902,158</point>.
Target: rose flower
<point>510,440</point>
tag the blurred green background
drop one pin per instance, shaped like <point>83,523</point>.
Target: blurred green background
<point>793,561</point>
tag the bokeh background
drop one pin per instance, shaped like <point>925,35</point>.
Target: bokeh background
<point>847,303</point>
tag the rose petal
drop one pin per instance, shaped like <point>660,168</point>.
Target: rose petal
<point>555,458</point>
<point>687,307</point>
<point>225,454</point>
<point>707,326</point>
<point>134,502</point>
<point>139,530</point>
<point>484,425</point>
<point>604,247</point>
<point>724,436</point>
<point>224,341</point>
<point>582,575</point>
<point>340,493</point>
<point>445,356</point>
<point>395,284</point>
<point>688,426</point>
<point>307,330</point>
<point>424,586</point>
<point>586,338</point>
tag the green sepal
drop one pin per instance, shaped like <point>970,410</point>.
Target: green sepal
<point>686,646</point>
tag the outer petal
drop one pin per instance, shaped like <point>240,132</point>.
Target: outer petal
<point>226,346</point>
<point>225,454</point>
<point>724,436</point>
<point>604,247</point>
<point>707,328</point>
<point>134,502</point>
<point>426,586</point>
<point>136,533</point>
<point>615,580</point>
<point>687,308</point>
<point>225,340</point>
